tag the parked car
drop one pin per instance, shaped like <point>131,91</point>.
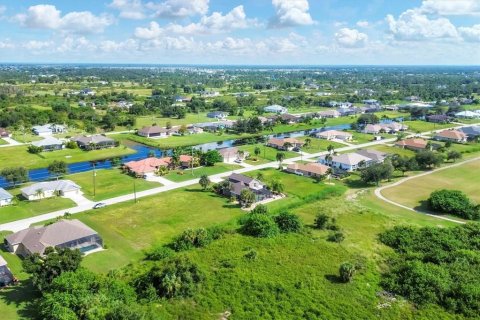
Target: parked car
<point>238,161</point>
<point>99,205</point>
<point>296,149</point>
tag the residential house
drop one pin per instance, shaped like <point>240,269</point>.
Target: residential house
<point>4,133</point>
<point>94,142</point>
<point>472,132</point>
<point>451,135</point>
<point>285,144</point>
<point>217,115</point>
<point>87,92</point>
<point>154,132</point>
<point>334,135</point>
<point>147,167</point>
<point>193,129</point>
<point>467,115</point>
<point>391,127</point>
<point>49,144</point>
<point>374,155</point>
<point>50,189</point>
<point>48,129</point>
<point>308,169</point>
<point>72,234</point>
<point>215,126</point>
<point>346,161</point>
<point>288,118</point>
<point>414,144</point>
<point>329,114</point>
<point>209,94</point>
<point>5,197</point>
<point>373,129</point>
<point>276,109</point>
<point>6,276</point>
<point>186,161</point>
<point>239,182</point>
<point>438,118</point>
<point>229,154</point>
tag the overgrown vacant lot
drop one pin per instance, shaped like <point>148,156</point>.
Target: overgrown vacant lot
<point>187,174</point>
<point>464,177</point>
<point>109,183</point>
<point>423,126</point>
<point>267,154</point>
<point>19,156</point>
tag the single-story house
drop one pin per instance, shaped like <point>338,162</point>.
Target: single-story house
<point>334,135</point>
<point>412,144</point>
<point>214,126</point>
<point>467,115</point>
<point>373,129</point>
<point>154,132</point>
<point>451,135</point>
<point>48,129</point>
<point>329,114</point>
<point>280,143</point>
<point>72,234</point>
<point>438,118</point>
<point>391,127</point>
<point>5,197</point>
<point>217,115</point>
<point>375,155</point>
<point>97,141</point>
<point>289,118</point>
<point>239,182</point>
<point>209,94</point>
<point>346,161</point>
<point>308,169</point>
<point>49,144</point>
<point>276,109</point>
<point>4,133</point>
<point>472,132</point>
<point>147,167</point>
<point>50,189</point>
<point>6,276</point>
<point>231,154</point>
<point>193,129</point>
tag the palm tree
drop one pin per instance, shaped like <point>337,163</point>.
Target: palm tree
<point>257,151</point>
<point>308,141</point>
<point>287,145</point>
<point>39,193</point>
<point>277,187</point>
<point>331,149</point>
<point>280,157</point>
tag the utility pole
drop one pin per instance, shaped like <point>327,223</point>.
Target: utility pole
<point>134,191</point>
<point>94,181</point>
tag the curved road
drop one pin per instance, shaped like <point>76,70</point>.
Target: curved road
<point>378,191</point>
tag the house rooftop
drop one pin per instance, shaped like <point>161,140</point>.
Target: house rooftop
<point>350,158</point>
<point>452,134</point>
<point>48,141</point>
<point>58,185</point>
<point>5,195</point>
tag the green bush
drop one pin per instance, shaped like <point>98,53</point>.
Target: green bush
<point>453,202</point>
<point>336,237</point>
<point>259,225</point>
<point>159,253</point>
<point>288,222</point>
<point>321,221</point>
<point>192,239</point>
<point>347,271</point>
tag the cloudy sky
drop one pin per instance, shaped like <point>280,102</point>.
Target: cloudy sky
<point>315,32</point>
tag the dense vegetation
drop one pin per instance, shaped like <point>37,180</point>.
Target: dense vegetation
<point>454,202</point>
<point>436,266</point>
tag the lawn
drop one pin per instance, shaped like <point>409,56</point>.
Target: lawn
<point>267,154</point>
<point>422,126</point>
<point>25,138</point>
<point>109,183</point>
<point>360,138</point>
<point>184,175</point>
<point>393,150</point>
<point>462,178</point>
<point>319,145</point>
<point>19,156</point>
<point>25,209</point>
<point>2,142</point>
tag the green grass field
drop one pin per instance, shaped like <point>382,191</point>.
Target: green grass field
<point>393,150</point>
<point>19,156</point>
<point>422,126</point>
<point>319,145</point>
<point>109,183</point>
<point>2,142</point>
<point>267,154</point>
<point>187,174</point>
<point>22,209</point>
<point>413,192</point>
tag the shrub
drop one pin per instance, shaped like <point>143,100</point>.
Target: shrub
<point>288,222</point>
<point>453,202</point>
<point>260,209</point>
<point>191,239</point>
<point>34,149</point>
<point>159,253</point>
<point>71,145</point>
<point>336,237</point>
<point>251,255</point>
<point>347,271</point>
<point>259,225</point>
<point>321,221</point>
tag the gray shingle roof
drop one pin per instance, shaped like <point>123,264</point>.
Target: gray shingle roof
<point>60,185</point>
<point>4,195</point>
<point>48,141</point>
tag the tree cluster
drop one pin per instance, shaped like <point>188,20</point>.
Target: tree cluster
<point>454,202</point>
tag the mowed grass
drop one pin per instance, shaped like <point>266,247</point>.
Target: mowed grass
<point>109,183</point>
<point>360,138</point>
<point>412,193</point>
<point>187,174</point>
<point>2,142</point>
<point>267,154</point>
<point>319,145</point>
<point>423,126</point>
<point>19,156</point>
<point>22,208</point>
<point>393,150</point>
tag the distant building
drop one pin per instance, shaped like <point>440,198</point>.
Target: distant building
<point>472,132</point>
<point>239,182</point>
<point>4,133</point>
<point>49,129</point>
<point>147,167</point>
<point>94,142</point>
<point>308,169</point>
<point>346,161</point>
<point>438,118</point>
<point>276,109</point>
<point>285,144</point>
<point>334,135</point>
<point>414,144</point>
<point>154,132</point>
<point>329,114</point>
<point>71,234</point>
<point>5,197</point>
<point>49,144</point>
<point>50,189</point>
<point>217,115</point>
<point>451,135</point>
<point>467,115</point>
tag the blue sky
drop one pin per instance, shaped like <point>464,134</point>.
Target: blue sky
<point>315,32</point>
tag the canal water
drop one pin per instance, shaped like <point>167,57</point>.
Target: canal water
<point>143,152</point>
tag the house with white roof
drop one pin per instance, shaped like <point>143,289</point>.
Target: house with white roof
<point>48,129</point>
<point>50,189</point>
<point>49,144</point>
<point>467,115</point>
<point>346,161</point>
<point>5,197</point>
<point>334,135</point>
<point>276,109</point>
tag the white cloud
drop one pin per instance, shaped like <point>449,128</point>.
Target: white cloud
<point>179,8</point>
<point>75,44</point>
<point>49,17</point>
<point>363,24</point>
<point>129,9</point>
<point>215,23</point>
<point>6,44</point>
<point>413,25</point>
<point>290,13</point>
<point>2,10</point>
<point>113,46</point>
<point>471,34</point>
<point>37,45</point>
<point>451,7</point>
<point>350,38</point>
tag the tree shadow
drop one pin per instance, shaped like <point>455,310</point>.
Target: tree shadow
<point>23,296</point>
<point>333,278</point>
<point>424,207</point>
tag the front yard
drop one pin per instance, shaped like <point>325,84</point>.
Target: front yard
<point>267,154</point>
<point>187,174</point>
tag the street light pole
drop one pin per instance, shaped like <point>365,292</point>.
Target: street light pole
<point>134,191</point>
<point>94,180</point>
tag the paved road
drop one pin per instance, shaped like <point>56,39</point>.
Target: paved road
<point>378,191</point>
<point>11,143</point>
<point>25,223</point>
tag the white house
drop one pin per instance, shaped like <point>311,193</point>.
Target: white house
<point>48,129</point>
<point>49,144</point>
<point>5,198</point>
<point>346,161</point>
<point>329,114</point>
<point>276,109</point>
<point>467,115</point>
<point>334,135</point>
<point>50,189</point>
